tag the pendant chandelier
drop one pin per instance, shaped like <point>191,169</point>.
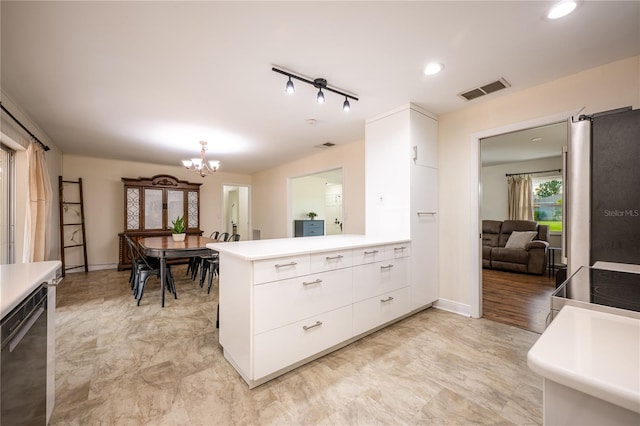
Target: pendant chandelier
<point>201,165</point>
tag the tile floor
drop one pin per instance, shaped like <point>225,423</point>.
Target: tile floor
<point>120,364</point>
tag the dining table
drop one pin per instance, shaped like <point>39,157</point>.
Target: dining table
<point>165,247</point>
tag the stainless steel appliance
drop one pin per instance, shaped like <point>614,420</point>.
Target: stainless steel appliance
<point>23,362</point>
<point>601,180</point>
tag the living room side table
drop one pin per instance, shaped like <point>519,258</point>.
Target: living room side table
<point>551,261</point>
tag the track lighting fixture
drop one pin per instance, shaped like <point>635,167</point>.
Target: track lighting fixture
<point>318,83</point>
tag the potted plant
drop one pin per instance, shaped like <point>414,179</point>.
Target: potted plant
<point>312,215</point>
<point>177,229</point>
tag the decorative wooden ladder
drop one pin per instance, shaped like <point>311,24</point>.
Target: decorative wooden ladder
<point>72,231</point>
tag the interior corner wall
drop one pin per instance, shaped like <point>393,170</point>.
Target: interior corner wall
<point>269,196</point>
<point>103,193</point>
<point>494,184</point>
<point>598,89</point>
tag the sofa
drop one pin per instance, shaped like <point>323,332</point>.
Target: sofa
<point>515,245</point>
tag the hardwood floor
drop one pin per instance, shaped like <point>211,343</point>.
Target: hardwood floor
<point>516,299</point>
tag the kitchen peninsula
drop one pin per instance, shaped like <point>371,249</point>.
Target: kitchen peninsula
<point>285,302</point>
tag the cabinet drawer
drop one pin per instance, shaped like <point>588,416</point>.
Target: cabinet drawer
<point>395,251</point>
<point>283,302</point>
<point>378,310</point>
<point>379,278</point>
<point>368,254</point>
<point>287,345</point>
<point>278,269</point>
<point>331,260</point>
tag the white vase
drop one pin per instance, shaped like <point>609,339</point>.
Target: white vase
<point>178,237</point>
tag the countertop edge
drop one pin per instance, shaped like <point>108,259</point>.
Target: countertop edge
<point>31,276</point>
<point>597,388</point>
<point>283,247</point>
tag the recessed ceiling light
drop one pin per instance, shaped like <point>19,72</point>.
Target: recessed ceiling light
<point>433,68</point>
<point>561,9</point>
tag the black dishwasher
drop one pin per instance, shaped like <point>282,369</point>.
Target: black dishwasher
<point>23,362</point>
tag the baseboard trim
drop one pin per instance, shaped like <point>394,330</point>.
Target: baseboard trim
<point>94,268</point>
<point>453,306</point>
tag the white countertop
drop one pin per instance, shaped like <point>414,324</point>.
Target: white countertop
<point>593,352</point>
<point>17,281</point>
<point>280,247</point>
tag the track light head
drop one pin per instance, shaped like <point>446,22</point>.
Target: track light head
<point>320,97</point>
<point>346,107</point>
<point>290,89</point>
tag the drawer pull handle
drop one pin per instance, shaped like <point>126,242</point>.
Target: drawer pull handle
<point>334,257</point>
<point>309,327</point>
<point>399,248</point>
<point>318,281</point>
<point>386,267</point>
<point>370,252</point>
<point>277,265</point>
<point>388,299</point>
<point>426,213</point>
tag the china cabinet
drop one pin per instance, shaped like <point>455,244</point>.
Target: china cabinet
<point>150,204</point>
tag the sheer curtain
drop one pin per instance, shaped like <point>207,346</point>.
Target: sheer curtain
<point>520,197</point>
<point>39,196</point>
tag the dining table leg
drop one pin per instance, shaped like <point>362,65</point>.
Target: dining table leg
<point>163,273</point>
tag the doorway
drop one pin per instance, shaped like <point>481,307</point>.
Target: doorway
<point>320,193</point>
<point>533,156</point>
<point>235,211</point>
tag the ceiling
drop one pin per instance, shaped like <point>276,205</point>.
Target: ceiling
<point>530,144</point>
<point>145,81</point>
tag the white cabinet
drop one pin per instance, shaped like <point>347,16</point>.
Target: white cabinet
<point>403,201</point>
<point>282,302</point>
<point>276,313</point>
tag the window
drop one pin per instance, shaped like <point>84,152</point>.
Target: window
<point>6,204</point>
<point>547,202</point>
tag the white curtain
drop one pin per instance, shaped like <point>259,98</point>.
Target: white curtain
<point>520,197</point>
<point>38,212</point>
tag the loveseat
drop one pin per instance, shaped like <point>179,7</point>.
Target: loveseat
<point>515,245</point>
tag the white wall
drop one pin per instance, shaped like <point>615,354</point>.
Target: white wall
<point>494,184</point>
<point>599,89</point>
<point>308,195</point>
<point>104,199</point>
<point>270,192</point>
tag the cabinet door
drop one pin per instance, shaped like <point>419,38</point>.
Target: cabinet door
<point>378,278</point>
<point>133,208</point>
<point>371,313</point>
<point>424,139</point>
<point>425,285</point>
<point>424,190</point>
<point>153,209</point>
<point>284,346</point>
<point>283,302</point>
<point>175,205</point>
<point>193,208</point>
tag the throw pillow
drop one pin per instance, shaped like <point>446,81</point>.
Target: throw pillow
<point>519,239</point>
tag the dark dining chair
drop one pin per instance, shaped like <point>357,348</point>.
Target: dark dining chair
<point>145,268</point>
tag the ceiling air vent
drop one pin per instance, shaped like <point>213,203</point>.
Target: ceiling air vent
<point>326,145</point>
<point>485,89</point>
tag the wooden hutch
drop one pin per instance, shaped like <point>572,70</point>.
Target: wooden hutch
<point>150,204</point>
